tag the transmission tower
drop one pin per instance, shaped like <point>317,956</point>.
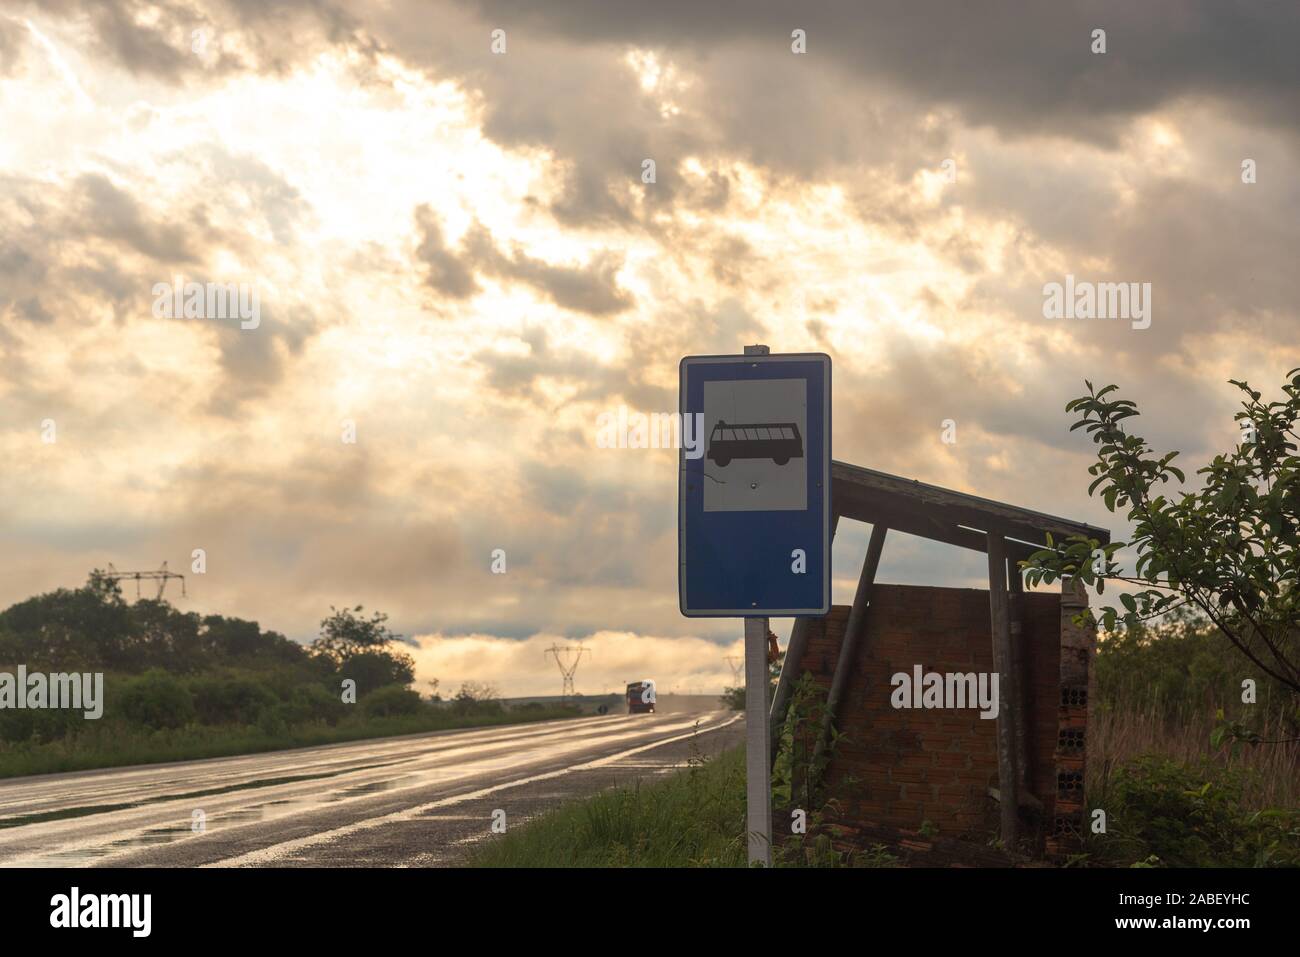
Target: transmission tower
<point>567,657</point>
<point>737,666</point>
<point>161,576</point>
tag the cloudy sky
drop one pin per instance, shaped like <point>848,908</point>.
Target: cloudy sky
<point>458,260</point>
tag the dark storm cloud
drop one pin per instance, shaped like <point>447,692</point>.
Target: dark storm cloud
<point>556,488</point>
<point>586,529</point>
<point>93,244</point>
<point>32,310</point>
<point>445,271</point>
<point>512,376</point>
<point>884,91</point>
<point>1214,253</point>
<point>155,38</point>
<point>254,361</point>
<point>634,376</point>
<point>13,39</point>
<point>582,104</point>
<point>294,541</point>
<point>287,549</point>
<point>1024,67</point>
<point>897,411</point>
<point>30,280</point>
<point>143,48</point>
<point>591,288</point>
<point>731,258</point>
<point>17,262</point>
<point>112,213</point>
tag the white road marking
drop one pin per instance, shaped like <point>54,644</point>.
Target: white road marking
<point>270,853</point>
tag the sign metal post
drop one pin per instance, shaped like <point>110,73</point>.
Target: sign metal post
<point>754,520</point>
<point>758,745</point>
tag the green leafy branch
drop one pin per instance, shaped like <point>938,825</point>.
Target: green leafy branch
<point>1230,548</point>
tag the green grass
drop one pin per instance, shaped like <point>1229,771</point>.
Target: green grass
<point>110,744</point>
<point>693,818</point>
<point>1164,811</point>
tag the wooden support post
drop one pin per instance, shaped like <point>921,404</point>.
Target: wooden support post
<point>853,631</point>
<point>790,665</point>
<point>1019,665</point>
<point>999,618</point>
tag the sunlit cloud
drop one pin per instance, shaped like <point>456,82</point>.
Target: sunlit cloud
<point>461,266</point>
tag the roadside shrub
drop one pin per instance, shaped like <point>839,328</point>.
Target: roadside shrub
<point>390,701</point>
<point>312,703</point>
<point>37,725</point>
<point>271,723</point>
<point>372,670</point>
<point>157,700</point>
<point>1192,816</point>
<point>477,698</point>
<point>231,700</point>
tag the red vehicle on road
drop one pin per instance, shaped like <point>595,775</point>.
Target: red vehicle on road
<point>641,697</point>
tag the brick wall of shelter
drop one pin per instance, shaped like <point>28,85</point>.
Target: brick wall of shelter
<point>904,767</point>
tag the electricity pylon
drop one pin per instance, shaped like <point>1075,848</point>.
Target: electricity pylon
<point>161,576</point>
<point>567,658</point>
<point>737,666</point>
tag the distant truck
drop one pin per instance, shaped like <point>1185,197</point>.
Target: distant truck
<point>641,697</point>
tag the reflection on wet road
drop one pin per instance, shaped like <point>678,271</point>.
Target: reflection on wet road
<point>418,799</point>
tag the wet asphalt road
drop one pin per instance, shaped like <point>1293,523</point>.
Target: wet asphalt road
<point>420,800</point>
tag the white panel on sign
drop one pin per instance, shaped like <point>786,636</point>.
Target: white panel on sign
<point>755,457</point>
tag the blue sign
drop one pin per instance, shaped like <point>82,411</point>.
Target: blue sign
<point>754,504</point>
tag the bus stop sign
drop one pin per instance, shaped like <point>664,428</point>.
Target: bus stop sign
<point>754,502</point>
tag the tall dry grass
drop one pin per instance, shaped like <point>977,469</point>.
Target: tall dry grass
<point>1119,734</point>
